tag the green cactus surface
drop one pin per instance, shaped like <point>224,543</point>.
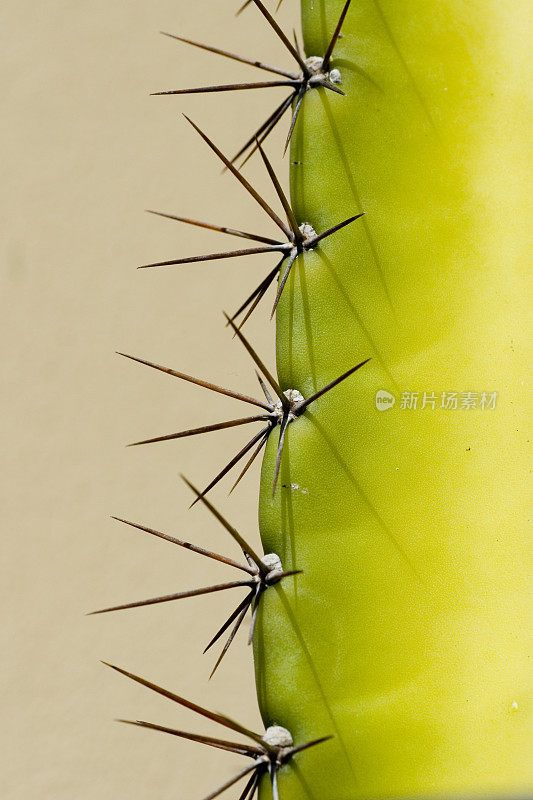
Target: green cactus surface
<point>403,638</point>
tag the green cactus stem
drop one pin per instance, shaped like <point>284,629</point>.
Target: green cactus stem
<point>403,636</point>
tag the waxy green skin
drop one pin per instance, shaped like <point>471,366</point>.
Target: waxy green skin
<point>404,636</point>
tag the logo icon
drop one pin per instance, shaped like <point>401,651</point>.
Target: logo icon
<point>384,400</point>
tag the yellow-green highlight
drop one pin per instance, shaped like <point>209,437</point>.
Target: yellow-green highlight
<point>405,635</point>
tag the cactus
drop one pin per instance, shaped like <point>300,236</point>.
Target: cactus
<point>387,615</point>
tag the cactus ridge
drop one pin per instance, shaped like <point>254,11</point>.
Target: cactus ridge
<point>269,753</point>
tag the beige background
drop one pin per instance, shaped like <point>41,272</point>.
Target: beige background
<point>84,151</point>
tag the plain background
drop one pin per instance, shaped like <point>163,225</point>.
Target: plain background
<point>84,151</point>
